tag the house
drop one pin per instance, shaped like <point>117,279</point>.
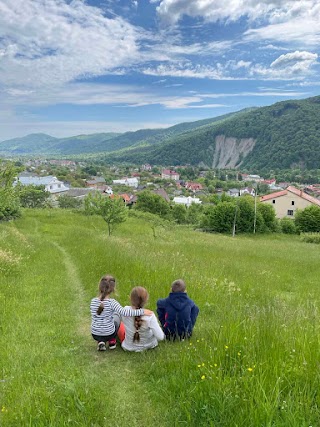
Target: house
<point>161,192</point>
<point>146,167</point>
<point>248,191</point>
<point>233,192</point>
<point>130,182</point>
<point>286,202</point>
<point>193,186</point>
<point>187,201</point>
<point>170,174</point>
<point>95,182</point>
<point>51,183</point>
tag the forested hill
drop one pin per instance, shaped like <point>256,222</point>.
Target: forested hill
<point>46,145</point>
<point>282,135</point>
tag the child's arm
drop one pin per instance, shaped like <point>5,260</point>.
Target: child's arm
<point>161,311</point>
<point>157,331</point>
<point>128,311</point>
<point>194,314</point>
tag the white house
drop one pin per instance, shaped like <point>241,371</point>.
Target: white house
<point>51,183</point>
<point>248,190</point>
<point>130,182</point>
<point>187,201</point>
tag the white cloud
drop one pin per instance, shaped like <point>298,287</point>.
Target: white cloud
<point>294,65</point>
<point>172,11</point>
<point>50,42</point>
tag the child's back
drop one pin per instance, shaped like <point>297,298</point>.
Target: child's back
<point>177,313</point>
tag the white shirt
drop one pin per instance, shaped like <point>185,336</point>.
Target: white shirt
<point>150,333</point>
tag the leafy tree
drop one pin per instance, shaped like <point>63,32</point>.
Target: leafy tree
<point>33,196</point>
<point>155,221</point>
<point>179,213</point>
<point>308,219</point>
<point>194,213</point>
<point>9,196</point>
<point>68,202</point>
<point>153,203</point>
<point>113,211</point>
<point>219,218</point>
<point>288,226</point>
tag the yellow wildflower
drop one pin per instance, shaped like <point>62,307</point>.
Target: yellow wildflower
<point>203,377</point>
<point>226,347</point>
<point>250,369</point>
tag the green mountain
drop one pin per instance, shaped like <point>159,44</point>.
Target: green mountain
<point>283,135</point>
<point>46,145</point>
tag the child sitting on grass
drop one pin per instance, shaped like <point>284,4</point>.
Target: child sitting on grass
<point>106,312</point>
<point>177,313</point>
<point>144,332</point>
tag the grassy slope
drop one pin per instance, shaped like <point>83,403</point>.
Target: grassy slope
<point>253,360</point>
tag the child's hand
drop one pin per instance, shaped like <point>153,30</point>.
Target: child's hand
<point>148,312</point>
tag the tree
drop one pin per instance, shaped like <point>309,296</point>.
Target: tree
<point>179,213</point>
<point>33,196</point>
<point>68,202</point>
<point>9,196</point>
<point>113,211</point>
<point>155,221</point>
<point>153,203</point>
<point>308,219</point>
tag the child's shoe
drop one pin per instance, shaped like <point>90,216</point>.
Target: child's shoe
<point>112,344</point>
<point>101,346</point>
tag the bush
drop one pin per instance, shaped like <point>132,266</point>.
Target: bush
<point>68,202</point>
<point>311,238</point>
<point>308,219</point>
<point>288,226</point>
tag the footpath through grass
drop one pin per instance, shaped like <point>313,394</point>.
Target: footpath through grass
<point>253,360</point>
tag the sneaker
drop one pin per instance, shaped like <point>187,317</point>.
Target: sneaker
<point>102,346</point>
<point>112,344</point>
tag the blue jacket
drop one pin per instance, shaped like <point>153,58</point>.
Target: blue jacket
<point>177,315</point>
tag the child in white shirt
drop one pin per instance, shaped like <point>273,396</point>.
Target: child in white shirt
<point>142,332</point>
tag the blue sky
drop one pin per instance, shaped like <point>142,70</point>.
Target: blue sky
<point>74,67</point>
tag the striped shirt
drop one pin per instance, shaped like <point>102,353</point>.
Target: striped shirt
<point>103,324</point>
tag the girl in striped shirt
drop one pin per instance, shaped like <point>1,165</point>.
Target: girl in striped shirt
<point>106,312</point>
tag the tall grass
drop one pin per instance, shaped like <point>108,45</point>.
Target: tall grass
<point>253,359</point>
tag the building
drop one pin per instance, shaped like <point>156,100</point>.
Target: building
<point>129,182</point>
<point>51,183</point>
<point>170,174</point>
<point>193,186</point>
<point>187,201</point>
<point>247,191</point>
<point>95,182</point>
<point>286,202</point>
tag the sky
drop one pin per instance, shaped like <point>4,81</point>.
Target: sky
<point>86,66</point>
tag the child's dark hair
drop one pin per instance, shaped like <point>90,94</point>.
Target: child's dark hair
<point>178,286</point>
<point>139,296</point>
<point>106,286</point>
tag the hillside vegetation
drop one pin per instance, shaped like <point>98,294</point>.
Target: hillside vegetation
<point>253,358</point>
<point>46,145</point>
<point>285,135</point>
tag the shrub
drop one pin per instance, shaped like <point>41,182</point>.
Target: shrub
<point>308,219</point>
<point>311,238</point>
<point>288,226</point>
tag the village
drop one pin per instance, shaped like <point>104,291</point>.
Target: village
<point>184,185</point>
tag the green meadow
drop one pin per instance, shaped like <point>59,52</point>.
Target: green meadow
<point>254,358</point>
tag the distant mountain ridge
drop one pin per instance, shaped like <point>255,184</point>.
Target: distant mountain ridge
<point>45,145</point>
<point>283,135</point>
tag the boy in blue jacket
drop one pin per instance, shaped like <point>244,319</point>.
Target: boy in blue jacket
<point>177,313</point>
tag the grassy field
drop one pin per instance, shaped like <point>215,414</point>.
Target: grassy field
<point>254,359</point>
